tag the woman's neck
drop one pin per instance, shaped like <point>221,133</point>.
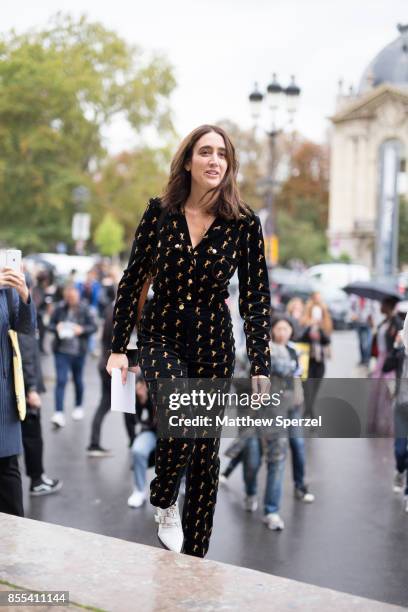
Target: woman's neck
<point>196,199</point>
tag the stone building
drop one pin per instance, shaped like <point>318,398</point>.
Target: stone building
<point>369,144</point>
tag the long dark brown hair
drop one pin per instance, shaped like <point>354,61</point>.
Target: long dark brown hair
<point>228,204</point>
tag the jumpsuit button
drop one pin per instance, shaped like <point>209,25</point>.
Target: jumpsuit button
<point>181,306</point>
<point>189,297</point>
<point>214,251</point>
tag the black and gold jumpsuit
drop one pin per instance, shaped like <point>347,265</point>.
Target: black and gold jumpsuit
<point>186,331</point>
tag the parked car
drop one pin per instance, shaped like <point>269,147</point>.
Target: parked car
<point>301,289</point>
<point>337,300</point>
<point>339,306</point>
<point>338,274</point>
<point>279,278</point>
<point>62,264</point>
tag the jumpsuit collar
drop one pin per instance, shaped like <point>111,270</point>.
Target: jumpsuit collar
<point>207,234</point>
<point>217,225</point>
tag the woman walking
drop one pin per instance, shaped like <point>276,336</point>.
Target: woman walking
<point>380,416</point>
<point>190,242</point>
<point>318,329</point>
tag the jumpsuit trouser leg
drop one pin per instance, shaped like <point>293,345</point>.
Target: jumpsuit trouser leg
<point>198,455</point>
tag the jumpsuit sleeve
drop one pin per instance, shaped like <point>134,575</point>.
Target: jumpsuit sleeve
<point>134,277</point>
<point>254,297</point>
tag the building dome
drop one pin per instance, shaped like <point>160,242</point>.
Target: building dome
<point>390,65</point>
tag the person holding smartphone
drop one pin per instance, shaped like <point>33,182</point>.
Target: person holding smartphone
<point>17,312</point>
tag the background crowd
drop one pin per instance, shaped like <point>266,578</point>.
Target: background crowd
<point>74,320</point>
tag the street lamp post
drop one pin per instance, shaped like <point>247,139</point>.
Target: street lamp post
<point>277,98</point>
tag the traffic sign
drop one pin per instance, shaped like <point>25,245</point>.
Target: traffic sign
<point>81,223</point>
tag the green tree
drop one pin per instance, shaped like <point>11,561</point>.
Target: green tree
<point>251,156</point>
<point>60,88</point>
<point>300,240</point>
<point>126,182</point>
<point>301,199</point>
<point>108,236</point>
<point>302,205</point>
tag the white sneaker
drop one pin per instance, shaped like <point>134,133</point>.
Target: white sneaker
<point>170,532</point>
<point>251,503</point>
<point>398,482</point>
<point>58,419</point>
<point>273,521</point>
<point>137,499</point>
<point>308,498</point>
<point>304,495</point>
<point>78,414</point>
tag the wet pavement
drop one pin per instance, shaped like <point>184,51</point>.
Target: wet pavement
<point>126,576</point>
<point>353,538</point>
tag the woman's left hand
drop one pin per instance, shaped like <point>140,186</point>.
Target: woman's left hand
<point>10,278</point>
<point>260,384</point>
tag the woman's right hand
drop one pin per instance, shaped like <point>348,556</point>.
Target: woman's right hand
<point>11,278</point>
<point>120,361</point>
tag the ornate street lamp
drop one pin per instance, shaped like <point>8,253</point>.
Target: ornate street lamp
<point>278,99</point>
<point>255,102</point>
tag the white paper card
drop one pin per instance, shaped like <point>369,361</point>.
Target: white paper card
<point>123,397</point>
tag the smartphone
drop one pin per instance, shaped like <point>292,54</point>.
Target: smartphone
<point>13,260</point>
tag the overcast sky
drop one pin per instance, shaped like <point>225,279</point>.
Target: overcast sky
<point>220,47</point>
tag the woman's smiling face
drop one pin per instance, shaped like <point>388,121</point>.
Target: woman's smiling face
<point>208,163</point>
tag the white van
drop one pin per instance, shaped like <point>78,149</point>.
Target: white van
<point>63,264</point>
<point>338,274</point>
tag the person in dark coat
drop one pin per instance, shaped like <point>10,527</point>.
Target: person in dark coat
<point>17,311</point>
<point>40,484</point>
<point>318,328</point>
<point>39,293</point>
<point>95,449</point>
<point>72,323</point>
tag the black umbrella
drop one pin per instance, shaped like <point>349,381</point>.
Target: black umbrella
<point>373,290</point>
